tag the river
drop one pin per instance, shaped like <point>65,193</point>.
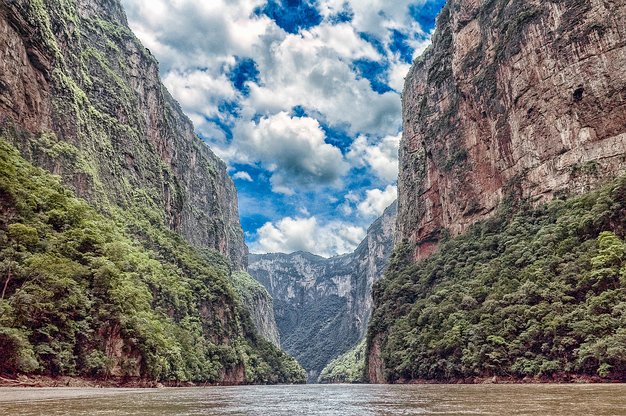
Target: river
<point>361,400</point>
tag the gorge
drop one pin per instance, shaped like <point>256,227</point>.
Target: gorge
<point>122,252</point>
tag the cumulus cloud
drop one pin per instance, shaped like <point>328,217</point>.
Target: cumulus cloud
<point>244,176</point>
<point>183,33</point>
<point>377,200</point>
<point>313,69</point>
<point>293,150</point>
<point>242,75</point>
<point>307,234</point>
<point>381,156</point>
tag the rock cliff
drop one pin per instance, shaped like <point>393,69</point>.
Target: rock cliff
<point>513,99</point>
<point>81,97</point>
<point>259,304</point>
<point>124,268</point>
<point>322,306</point>
<point>514,104</point>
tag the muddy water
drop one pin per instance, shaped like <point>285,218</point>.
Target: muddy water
<point>362,400</point>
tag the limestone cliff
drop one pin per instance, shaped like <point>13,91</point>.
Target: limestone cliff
<point>322,306</point>
<point>521,99</point>
<point>515,102</point>
<point>259,304</point>
<point>80,96</point>
<point>126,264</point>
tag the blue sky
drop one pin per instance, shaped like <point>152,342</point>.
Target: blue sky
<point>301,98</point>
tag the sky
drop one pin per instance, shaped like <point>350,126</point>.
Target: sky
<point>301,99</point>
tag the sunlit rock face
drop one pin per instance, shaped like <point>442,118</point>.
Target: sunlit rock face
<point>72,73</point>
<point>322,306</point>
<point>513,99</point>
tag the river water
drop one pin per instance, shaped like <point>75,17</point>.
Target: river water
<point>361,400</point>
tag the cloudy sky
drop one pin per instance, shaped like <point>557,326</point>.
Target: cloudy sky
<point>301,98</point>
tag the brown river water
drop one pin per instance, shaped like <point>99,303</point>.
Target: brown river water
<point>362,400</point>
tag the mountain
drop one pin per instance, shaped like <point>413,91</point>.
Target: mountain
<point>118,255</point>
<point>322,305</point>
<point>510,230</point>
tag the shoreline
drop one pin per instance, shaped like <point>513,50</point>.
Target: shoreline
<point>30,381</point>
<point>556,379</point>
<point>35,381</point>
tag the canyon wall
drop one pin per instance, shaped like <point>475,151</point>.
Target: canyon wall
<point>514,104</point>
<point>81,97</point>
<point>513,99</point>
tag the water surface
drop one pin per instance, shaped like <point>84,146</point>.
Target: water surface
<point>362,400</point>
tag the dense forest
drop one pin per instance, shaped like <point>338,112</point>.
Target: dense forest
<point>533,292</point>
<point>115,293</point>
<point>347,368</point>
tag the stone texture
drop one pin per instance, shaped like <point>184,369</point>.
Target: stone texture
<point>81,97</point>
<point>322,306</point>
<point>513,99</point>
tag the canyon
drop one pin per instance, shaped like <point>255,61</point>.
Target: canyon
<point>323,305</point>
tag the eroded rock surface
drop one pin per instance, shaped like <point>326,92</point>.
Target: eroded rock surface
<point>513,99</point>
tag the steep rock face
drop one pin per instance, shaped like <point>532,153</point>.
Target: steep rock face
<point>147,259</point>
<point>81,97</point>
<point>322,306</point>
<point>522,99</point>
<point>259,304</point>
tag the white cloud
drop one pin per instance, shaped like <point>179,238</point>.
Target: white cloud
<point>377,200</point>
<point>293,150</point>
<point>313,69</point>
<point>306,234</point>
<point>382,156</point>
<point>244,176</point>
<point>199,91</point>
<point>183,33</point>
<point>198,43</point>
<point>375,16</point>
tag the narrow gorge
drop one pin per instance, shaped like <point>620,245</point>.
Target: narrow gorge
<point>123,259</point>
<point>323,305</point>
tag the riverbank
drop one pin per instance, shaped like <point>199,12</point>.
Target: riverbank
<point>555,379</point>
<point>80,382</point>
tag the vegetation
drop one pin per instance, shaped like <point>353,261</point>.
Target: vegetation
<point>347,368</point>
<point>89,294</point>
<point>248,288</point>
<point>537,292</point>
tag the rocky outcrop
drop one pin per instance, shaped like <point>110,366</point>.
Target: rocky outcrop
<point>322,306</point>
<point>513,99</point>
<point>81,97</point>
<point>259,305</point>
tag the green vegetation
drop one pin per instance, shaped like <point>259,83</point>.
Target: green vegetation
<point>83,293</point>
<point>538,292</point>
<point>347,368</point>
<point>248,288</point>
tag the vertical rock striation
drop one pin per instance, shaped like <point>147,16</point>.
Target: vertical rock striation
<point>322,306</point>
<point>81,97</point>
<point>523,99</point>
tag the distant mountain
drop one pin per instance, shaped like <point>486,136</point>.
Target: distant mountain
<point>322,306</point>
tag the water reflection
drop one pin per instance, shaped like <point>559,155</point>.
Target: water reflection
<point>362,400</point>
